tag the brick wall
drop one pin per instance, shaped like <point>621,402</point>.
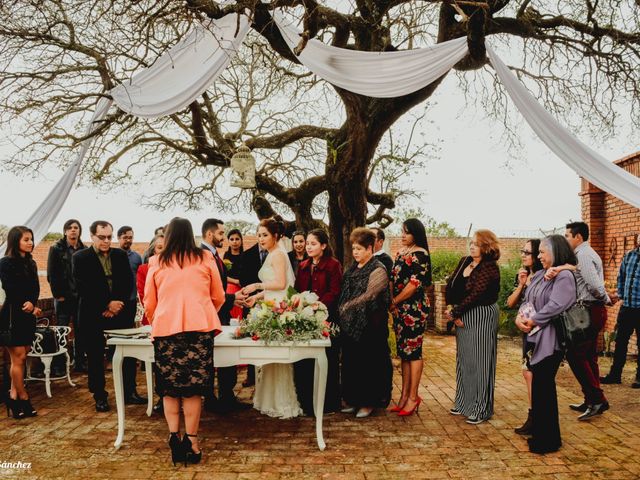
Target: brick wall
<point>614,226</point>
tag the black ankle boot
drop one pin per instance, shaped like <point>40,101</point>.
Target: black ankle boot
<point>191,456</point>
<point>177,450</point>
<point>525,429</point>
<point>14,408</point>
<point>27,408</point>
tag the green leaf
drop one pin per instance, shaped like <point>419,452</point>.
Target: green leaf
<point>291,292</point>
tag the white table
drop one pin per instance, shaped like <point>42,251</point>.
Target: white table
<point>227,352</point>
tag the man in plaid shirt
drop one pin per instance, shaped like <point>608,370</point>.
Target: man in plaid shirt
<point>628,316</point>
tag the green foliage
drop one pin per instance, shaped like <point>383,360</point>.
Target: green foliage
<point>246,228</point>
<point>433,227</point>
<point>506,325</point>
<point>443,263</point>
<point>53,236</point>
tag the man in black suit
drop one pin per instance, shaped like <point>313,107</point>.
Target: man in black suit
<point>212,239</point>
<point>103,280</point>
<point>378,250</point>
<point>251,261</point>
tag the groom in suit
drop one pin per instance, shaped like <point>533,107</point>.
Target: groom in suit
<point>104,283</point>
<point>212,239</point>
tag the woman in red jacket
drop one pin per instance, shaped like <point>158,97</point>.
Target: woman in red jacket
<point>321,273</point>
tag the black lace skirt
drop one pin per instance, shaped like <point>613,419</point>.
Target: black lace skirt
<point>184,362</point>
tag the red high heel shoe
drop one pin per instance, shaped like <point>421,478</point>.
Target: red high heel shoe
<point>406,413</point>
<point>396,409</point>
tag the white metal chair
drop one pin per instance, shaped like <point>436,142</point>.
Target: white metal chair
<point>46,358</point>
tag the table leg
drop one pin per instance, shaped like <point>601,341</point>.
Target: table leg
<point>148,368</point>
<point>116,365</point>
<point>319,388</point>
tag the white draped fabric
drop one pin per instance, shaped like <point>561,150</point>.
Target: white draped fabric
<point>376,74</point>
<point>183,73</point>
<point>176,79</point>
<point>583,160</point>
<point>42,218</point>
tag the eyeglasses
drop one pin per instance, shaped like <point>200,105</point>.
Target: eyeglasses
<point>104,238</point>
<point>525,252</point>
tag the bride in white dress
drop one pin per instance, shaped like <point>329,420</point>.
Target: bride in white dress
<point>275,393</point>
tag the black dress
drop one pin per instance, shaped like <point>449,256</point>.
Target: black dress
<point>19,277</point>
<point>234,272</point>
<point>367,372</point>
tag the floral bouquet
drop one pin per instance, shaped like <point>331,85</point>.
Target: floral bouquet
<point>228,265</point>
<point>300,318</point>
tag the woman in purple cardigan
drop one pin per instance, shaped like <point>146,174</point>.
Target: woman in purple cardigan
<point>548,298</point>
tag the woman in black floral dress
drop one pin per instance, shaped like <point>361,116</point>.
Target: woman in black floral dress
<point>410,276</point>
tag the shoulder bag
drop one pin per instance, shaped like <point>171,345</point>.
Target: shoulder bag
<point>572,325</point>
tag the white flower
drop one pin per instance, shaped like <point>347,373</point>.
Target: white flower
<point>307,312</point>
<point>321,315</point>
<point>309,298</point>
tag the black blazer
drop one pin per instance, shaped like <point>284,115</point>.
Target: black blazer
<point>224,314</point>
<point>387,261</point>
<point>93,290</point>
<point>59,270</point>
<point>251,265</point>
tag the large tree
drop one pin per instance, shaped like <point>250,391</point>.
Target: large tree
<point>580,57</point>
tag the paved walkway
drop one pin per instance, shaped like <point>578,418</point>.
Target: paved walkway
<point>69,439</point>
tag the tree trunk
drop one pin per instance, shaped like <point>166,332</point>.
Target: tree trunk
<point>348,161</point>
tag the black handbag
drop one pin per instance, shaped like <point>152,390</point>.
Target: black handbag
<point>5,330</point>
<point>573,325</point>
<point>49,342</point>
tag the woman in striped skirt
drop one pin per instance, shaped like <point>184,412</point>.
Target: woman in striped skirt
<point>473,291</point>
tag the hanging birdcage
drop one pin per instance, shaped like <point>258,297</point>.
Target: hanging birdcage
<point>243,168</point>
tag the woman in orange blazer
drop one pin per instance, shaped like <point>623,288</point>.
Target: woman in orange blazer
<point>182,294</point>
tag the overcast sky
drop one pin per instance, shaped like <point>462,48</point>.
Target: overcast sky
<point>472,180</point>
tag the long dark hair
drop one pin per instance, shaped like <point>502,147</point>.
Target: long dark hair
<point>415,227</point>
<point>323,238</point>
<point>235,231</point>
<point>13,241</point>
<point>179,243</point>
<point>535,251</point>
<point>13,248</point>
<point>560,250</point>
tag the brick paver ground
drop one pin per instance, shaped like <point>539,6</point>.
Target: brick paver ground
<point>69,439</point>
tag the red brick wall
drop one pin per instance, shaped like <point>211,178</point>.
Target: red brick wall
<point>614,226</point>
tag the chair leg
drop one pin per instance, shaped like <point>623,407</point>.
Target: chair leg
<point>47,374</point>
<point>69,369</point>
<point>28,365</point>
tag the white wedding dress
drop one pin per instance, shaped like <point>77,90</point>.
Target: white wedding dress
<point>275,393</point>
